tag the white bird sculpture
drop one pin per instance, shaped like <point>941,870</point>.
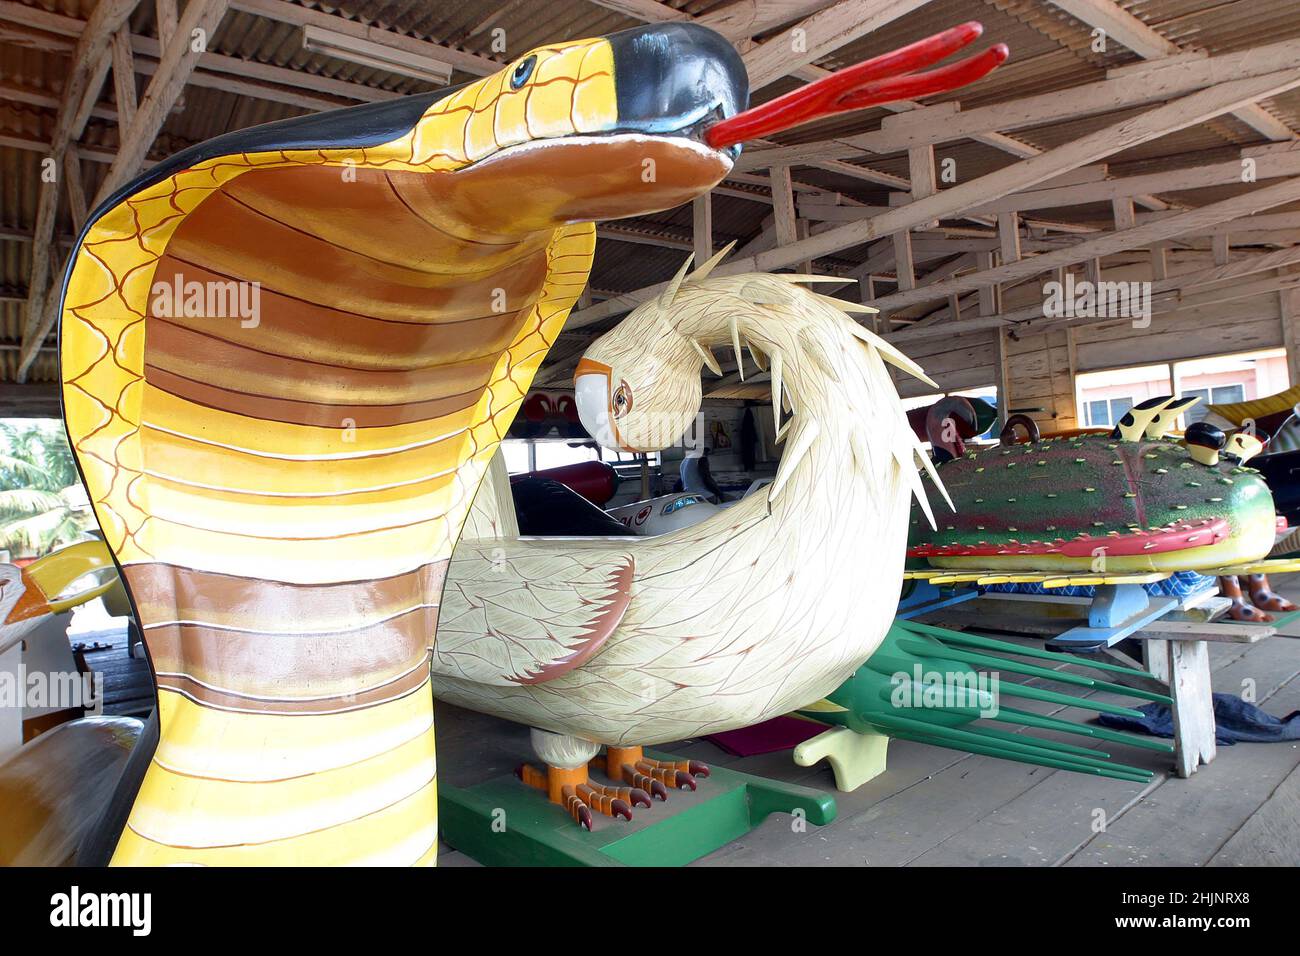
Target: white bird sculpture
<point>762,609</point>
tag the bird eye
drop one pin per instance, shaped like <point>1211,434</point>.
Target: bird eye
<point>522,72</point>
<point>622,401</point>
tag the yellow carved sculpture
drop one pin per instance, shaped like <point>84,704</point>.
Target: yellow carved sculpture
<point>283,490</point>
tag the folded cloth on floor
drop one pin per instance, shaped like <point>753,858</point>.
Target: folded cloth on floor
<point>1234,720</point>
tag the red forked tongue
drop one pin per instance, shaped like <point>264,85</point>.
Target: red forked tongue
<point>880,80</point>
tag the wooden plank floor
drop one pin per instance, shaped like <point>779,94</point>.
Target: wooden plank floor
<point>127,684</point>
<point>936,807</point>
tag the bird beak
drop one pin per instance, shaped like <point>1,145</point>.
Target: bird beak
<point>592,388</point>
<point>46,579</point>
<point>882,79</point>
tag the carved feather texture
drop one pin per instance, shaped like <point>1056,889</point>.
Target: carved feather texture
<point>735,347</point>
<point>761,609</point>
<point>513,615</point>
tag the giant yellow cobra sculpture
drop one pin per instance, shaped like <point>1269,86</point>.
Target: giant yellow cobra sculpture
<point>282,485</point>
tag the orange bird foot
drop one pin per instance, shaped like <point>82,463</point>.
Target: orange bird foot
<point>579,795</point>
<point>1240,611</point>
<point>1230,587</point>
<point>1264,597</point>
<point>630,765</point>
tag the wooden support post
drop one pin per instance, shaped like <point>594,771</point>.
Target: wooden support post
<point>920,164</point>
<point>1159,261</point>
<point>803,229</point>
<point>783,213</point>
<point>124,77</point>
<point>1219,243</point>
<point>1009,237</point>
<point>76,186</point>
<point>921,173</point>
<point>1155,655</point>
<point>101,62</point>
<point>702,235</point>
<point>1122,210</point>
<point>988,293</point>
<point>165,16</point>
<point>784,217</point>
<point>167,19</point>
<point>1072,361</point>
<point>904,264</point>
<point>1008,243</point>
<point>867,285</point>
<point>1290,310</point>
<point>1193,708</point>
<point>1004,377</point>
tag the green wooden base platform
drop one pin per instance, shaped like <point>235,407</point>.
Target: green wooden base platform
<point>502,822</point>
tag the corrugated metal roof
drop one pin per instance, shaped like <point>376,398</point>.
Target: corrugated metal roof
<point>1050,50</point>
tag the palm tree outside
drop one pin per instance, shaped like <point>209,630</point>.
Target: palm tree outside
<point>43,505</point>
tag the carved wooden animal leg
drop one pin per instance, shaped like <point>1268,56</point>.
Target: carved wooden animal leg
<point>630,765</point>
<point>1263,596</point>
<point>1230,586</point>
<point>567,783</point>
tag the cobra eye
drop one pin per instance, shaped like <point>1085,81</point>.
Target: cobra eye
<point>622,402</point>
<point>523,70</point>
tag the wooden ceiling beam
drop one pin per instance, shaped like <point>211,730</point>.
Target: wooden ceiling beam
<point>88,69</point>
<point>198,22</point>
<point>1231,172</point>
<point>938,124</point>
<point>819,35</point>
<point>651,11</point>
<point>214,71</point>
<point>1264,197</point>
<point>1162,291</point>
<point>1150,44</point>
<point>743,19</point>
<point>1131,131</point>
<point>177,63</point>
<point>285,12</point>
